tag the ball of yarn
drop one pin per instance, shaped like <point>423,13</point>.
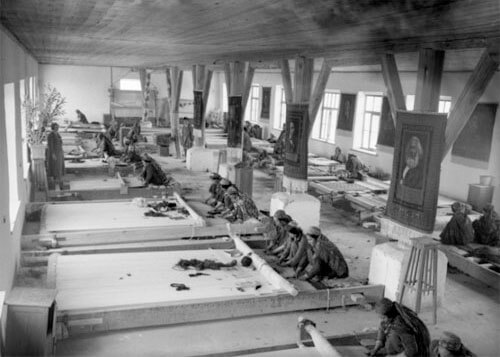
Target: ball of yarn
<point>246,261</point>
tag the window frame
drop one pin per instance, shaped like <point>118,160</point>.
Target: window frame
<point>371,131</point>
<point>325,128</point>
<point>280,111</point>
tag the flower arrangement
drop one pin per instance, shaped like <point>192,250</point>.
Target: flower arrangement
<point>40,114</point>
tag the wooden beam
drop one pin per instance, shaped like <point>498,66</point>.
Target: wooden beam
<point>147,315</point>
<point>176,83</point>
<point>317,94</point>
<point>287,80</point>
<point>304,68</point>
<point>468,99</point>
<point>198,77</point>
<point>248,85</point>
<point>237,78</point>
<point>430,71</point>
<point>393,84</point>
<point>206,89</point>
<point>227,77</point>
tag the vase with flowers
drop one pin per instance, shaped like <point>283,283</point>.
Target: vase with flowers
<point>39,115</point>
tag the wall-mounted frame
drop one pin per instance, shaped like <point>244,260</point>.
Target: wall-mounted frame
<point>346,111</point>
<point>266,103</point>
<point>416,169</point>
<point>296,139</point>
<point>234,123</point>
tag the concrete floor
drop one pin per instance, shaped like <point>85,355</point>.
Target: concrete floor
<point>470,308</point>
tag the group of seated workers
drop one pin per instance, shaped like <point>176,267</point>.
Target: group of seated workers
<point>461,231</point>
<point>311,255</point>
<point>229,202</point>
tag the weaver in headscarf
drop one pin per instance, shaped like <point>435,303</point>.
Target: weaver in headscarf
<point>243,206</point>
<point>449,345</point>
<point>152,173</point>
<point>401,331</point>
<point>214,189</point>
<point>325,259</point>
<point>458,231</point>
<point>277,233</point>
<point>487,228</point>
<point>297,254</point>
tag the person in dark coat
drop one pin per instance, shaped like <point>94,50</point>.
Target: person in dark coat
<point>214,189</point>
<point>55,155</point>
<point>152,173</point>
<point>187,135</point>
<point>105,146</point>
<point>278,231</point>
<point>324,258</point>
<point>132,136</point>
<point>339,155</point>
<point>449,345</point>
<point>354,167</point>
<point>81,117</point>
<point>487,227</point>
<point>297,255</point>
<point>401,331</point>
<point>458,231</point>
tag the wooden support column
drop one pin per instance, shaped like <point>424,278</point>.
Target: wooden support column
<point>430,71</point>
<point>145,79</point>
<point>174,83</point>
<point>201,83</point>
<point>319,90</point>
<point>239,77</point>
<point>393,84</point>
<point>468,99</point>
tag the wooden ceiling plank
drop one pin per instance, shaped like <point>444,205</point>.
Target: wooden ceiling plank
<point>429,74</point>
<point>469,97</point>
<point>393,84</point>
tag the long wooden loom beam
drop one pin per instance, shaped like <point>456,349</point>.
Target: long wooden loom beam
<point>393,84</point>
<point>469,97</point>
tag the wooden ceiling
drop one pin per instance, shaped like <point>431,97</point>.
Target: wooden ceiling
<point>156,33</point>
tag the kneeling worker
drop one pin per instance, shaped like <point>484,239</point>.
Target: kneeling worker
<point>152,173</point>
<point>325,259</point>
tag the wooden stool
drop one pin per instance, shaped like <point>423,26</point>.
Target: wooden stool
<point>420,273</point>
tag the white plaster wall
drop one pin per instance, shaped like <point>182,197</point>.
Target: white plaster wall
<point>85,88</point>
<point>455,176</point>
<point>15,65</point>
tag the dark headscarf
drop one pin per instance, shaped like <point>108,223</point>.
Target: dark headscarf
<point>392,309</point>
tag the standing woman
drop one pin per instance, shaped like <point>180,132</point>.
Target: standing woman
<point>187,136</point>
<point>55,155</point>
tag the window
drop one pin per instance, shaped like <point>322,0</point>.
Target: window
<point>130,84</point>
<point>325,124</point>
<point>253,105</point>
<point>280,108</point>
<point>10,131</point>
<point>444,105</point>
<point>224,98</point>
<point>369,122</point>
<point>24,144</point>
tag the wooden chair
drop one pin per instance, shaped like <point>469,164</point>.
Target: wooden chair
<point>420,273</point>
